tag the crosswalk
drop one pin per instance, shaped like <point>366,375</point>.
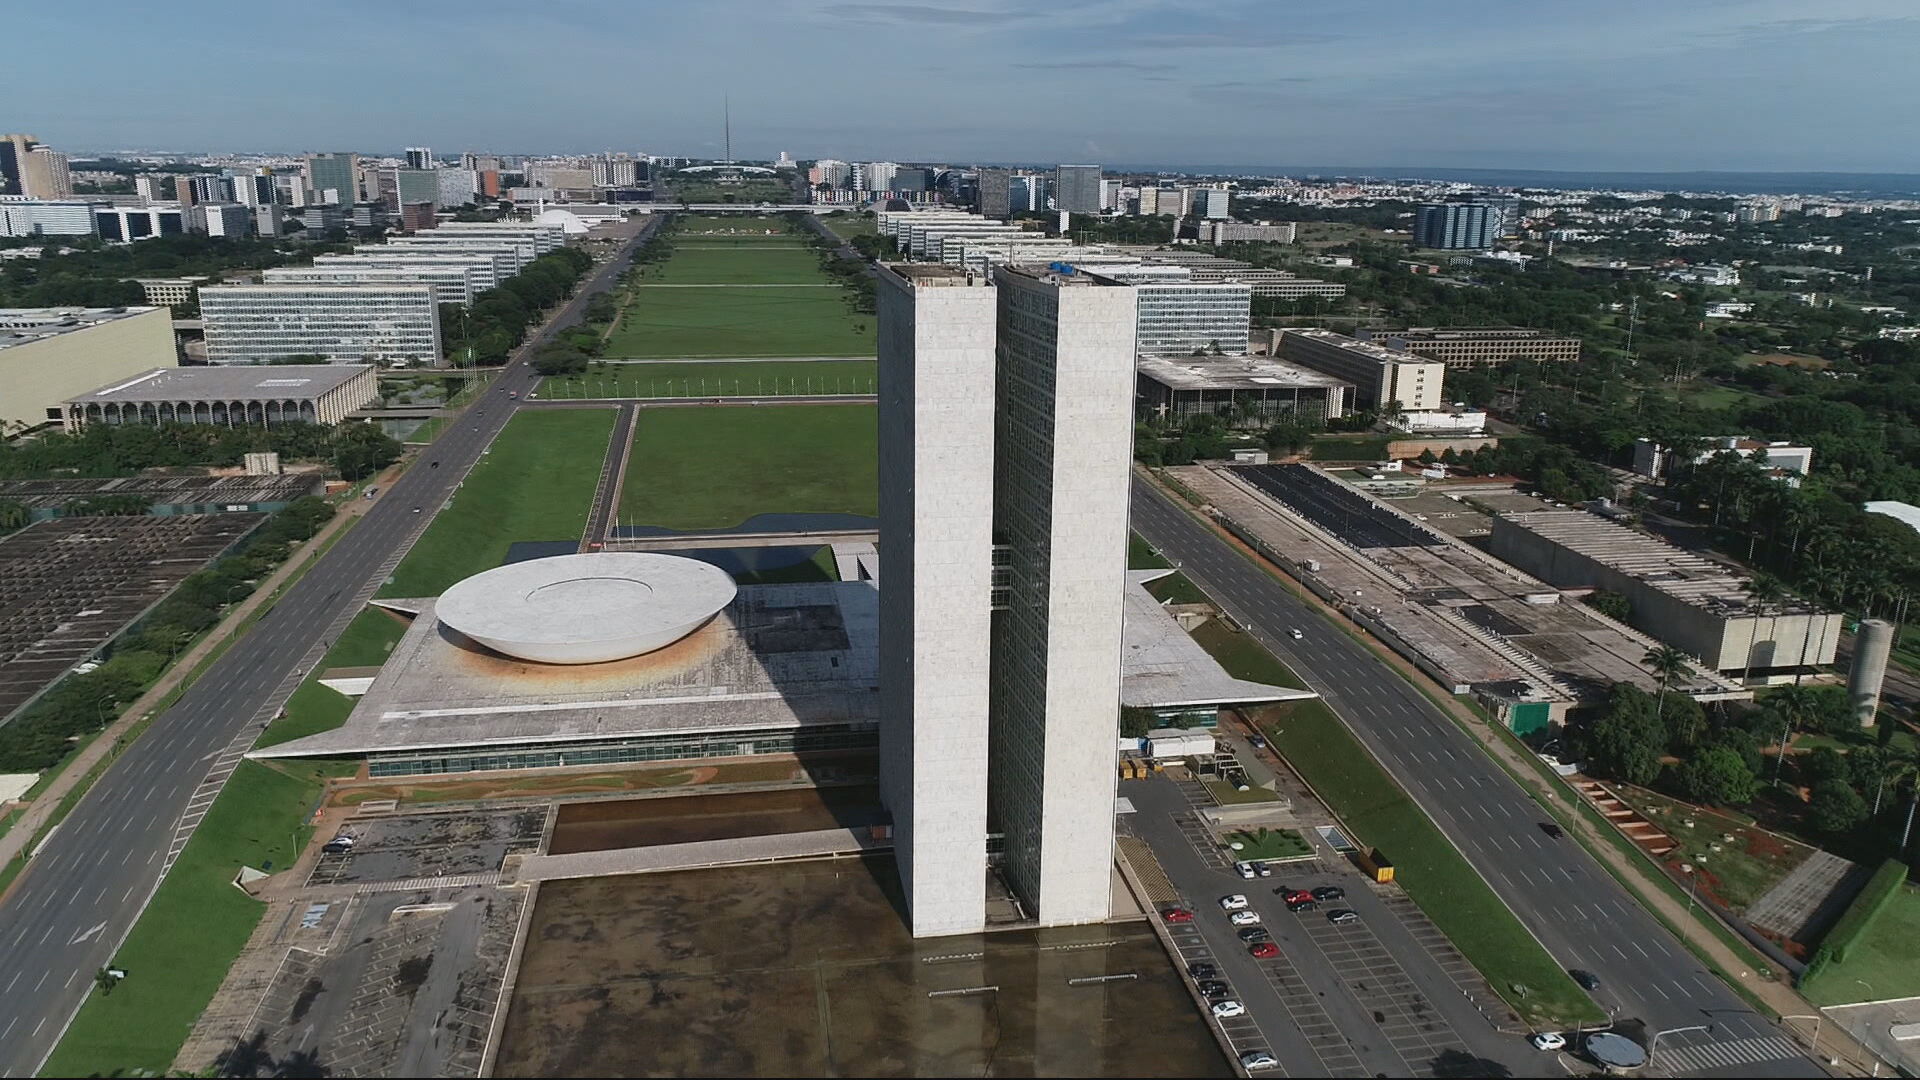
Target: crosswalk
<point>453,881</point>
<point>1725,1055</point>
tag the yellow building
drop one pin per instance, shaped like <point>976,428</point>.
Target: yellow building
<point>49,355</point>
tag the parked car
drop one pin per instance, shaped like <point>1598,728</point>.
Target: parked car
<point>1200,969</point>
<point>1587,979</point>
<point>339,845</point>
<point>1291,895</point>
<point>1308,904</point>
<point>1245,870</point>
<point>1328,893</point>
<point>1548,1040</point>
<point>1233,902</point>
<point>1263,869</point>
<point>1255,1060</point>
<point>1342,915</point>
<point>1214,988</point>
<point>1245,918</point>
<point>1253,933</point>
<point>1257,742</point>
<point>1228,1009</point>
<point>1263,950</point>
<point>1177,914</point>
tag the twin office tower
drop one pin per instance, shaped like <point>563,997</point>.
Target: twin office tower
<point>1006,434</point>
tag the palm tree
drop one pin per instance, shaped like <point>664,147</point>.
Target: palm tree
<point>1766,592</point>
<point>1794,704</point>
<point>1669,665</point>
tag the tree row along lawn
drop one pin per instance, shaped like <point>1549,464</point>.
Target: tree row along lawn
<point>714,467</point>
<point>1431,870</point>
<point>536,482</point>
<point>767,378</point>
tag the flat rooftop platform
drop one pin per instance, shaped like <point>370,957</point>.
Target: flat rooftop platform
<point>231,381</point>
<point>1232,373</point>
<point>1162,666</point>
<point>164,490</point>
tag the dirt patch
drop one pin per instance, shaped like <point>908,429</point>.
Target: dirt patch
<point>618,823</point>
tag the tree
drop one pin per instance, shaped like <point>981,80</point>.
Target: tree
<point>1835,808</point>
<point>1627,742</point>
<point>1820,766</point>
<point>1718,777</point>
<point>1135,722</point>
<point>1669,665</point>
<point>1611,604</point>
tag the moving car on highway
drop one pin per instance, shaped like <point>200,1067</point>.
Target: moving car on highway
<point>1548,1040</point>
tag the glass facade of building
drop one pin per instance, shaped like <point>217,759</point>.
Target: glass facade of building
<point>1177,319</point>
<point>626,751</point>
<point>344,323</point>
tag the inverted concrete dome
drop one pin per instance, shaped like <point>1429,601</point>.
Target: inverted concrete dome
<point>586,609</point>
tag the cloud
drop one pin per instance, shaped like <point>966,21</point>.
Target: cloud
<point>1236,39</point>
<point>1098,65</point>
<point>920,13</point>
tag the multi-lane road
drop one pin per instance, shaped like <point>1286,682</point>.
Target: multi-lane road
<point>82,893</point>
<point>1583,917</point>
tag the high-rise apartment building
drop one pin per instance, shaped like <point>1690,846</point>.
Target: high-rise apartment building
<point>1076,188</point>
<point>1005,420</point>
<point>227,219</point>
<point>1451,226</point>
<point>334,178</point>
<point>13,152</point>
<point>419,157</point>
<point>874,176</point>
<point>993,193</point>
<point>45,175</point>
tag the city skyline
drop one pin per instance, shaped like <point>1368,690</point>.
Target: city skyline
<point>1639,87</point>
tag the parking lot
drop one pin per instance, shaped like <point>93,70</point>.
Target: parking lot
<point>440,845</point>
<point>1369,997</point>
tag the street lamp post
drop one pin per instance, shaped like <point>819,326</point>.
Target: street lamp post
<point>1654,1046</point>
<point>1816,1018</point>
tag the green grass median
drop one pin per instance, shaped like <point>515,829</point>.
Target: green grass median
<point>714,467</point>
<point>719,321</point>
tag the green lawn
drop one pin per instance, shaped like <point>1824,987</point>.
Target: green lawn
<point>1244,657</point>
<point>820,567</point>
<point>193,930</point>
<point>1265,845</point>
<point>366,641</point>
<point>1141,556</point>
<point>741,322</point>
<point>848,226</point>
<point>1349,447</point>
<point>763,378</point>
<point>1227,795</point>
<point>712,468</point>
<point>1884,963</point>
<point>1177,589</point>
<point>1738,873</point>
<point>535,483</point>
<point>697,263</point>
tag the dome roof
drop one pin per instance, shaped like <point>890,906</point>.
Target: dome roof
<point>586,609</point>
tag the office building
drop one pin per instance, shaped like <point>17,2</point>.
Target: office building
<point>253,189</point>
<point>269,220</point>
<point>411,186</point>
<point>830,172</point>
<point>225,219</point>
<point>875,176</point>
<point>454,187</point>
<point>170,292</point>
<point>231,396</point>
<point>480,271</point>
<point>130,223</point>
<point>419,157</point>
<point>545,237</point>
<point>1076,188</point>
<point>1452,226</point>
<point>1236,232</point>
<point>1781,459</point>
<point>333,178</point>
<point>44,174</point>
<point>509,255</point>
<point>367,216</point>
<point>1029,194</point>
<point>50,354</point>
<point>319,220</point>
<point>1477,346</point>
<point>1693,604</point>
<point>72,218</point>
<point>1211,203</point>
<point>1179,317</point>
<point>1000,621</point>
<point>416,216</point>
<point>343,323</point>
<point>452,284</point>
<point>560,176</point>
<point>13,166</point>
<point>993,193</point>
<point>615,170</point>
<point>1169,388</point>
<point>1381,376</point>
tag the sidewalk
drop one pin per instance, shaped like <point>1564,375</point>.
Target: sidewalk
<point>1775,995</point>
<point>112,739</point>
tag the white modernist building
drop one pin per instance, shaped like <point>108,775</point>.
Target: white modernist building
<point>587,609</point>
<point>1005,427</point>
<point>455,284</point>
<point>481,270</point>
<point>509,254</point>
<point>344,323</point>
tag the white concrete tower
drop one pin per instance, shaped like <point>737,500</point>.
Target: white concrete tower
<point>936,389</point>
<point>1063,451</point>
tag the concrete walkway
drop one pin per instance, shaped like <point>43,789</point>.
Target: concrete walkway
<point>700,854</point>
<point>112,740</point>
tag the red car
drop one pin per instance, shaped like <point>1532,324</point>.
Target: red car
<point>1177,914</point>
<point>1265,950</point>
<point>1295,896</point>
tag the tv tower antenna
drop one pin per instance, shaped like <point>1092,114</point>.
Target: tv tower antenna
<point>726,106</point>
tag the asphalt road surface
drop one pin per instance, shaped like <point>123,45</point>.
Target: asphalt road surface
<point>79,897</point>
<point>1583,916</point>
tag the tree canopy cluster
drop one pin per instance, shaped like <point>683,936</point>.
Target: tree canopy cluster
<point>485,331</point>
<point>97,274</point>
<point>356,450</point>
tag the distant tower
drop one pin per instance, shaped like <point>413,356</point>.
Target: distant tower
<point>726,113</point>
<point>1870,648</point>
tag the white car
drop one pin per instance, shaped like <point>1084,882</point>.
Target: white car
<point>1295,634</point>
<point>1245,870</point>
<point>1235,902</point>
<point>1548,1040</point>
<point>1245,918</point>
<point>1228,1009</point>
<point>1255,1060</point>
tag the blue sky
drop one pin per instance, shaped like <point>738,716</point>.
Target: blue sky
<point>1548,84</point>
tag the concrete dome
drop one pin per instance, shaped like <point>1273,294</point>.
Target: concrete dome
<point>586,609</point>
<point>570,223</point>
